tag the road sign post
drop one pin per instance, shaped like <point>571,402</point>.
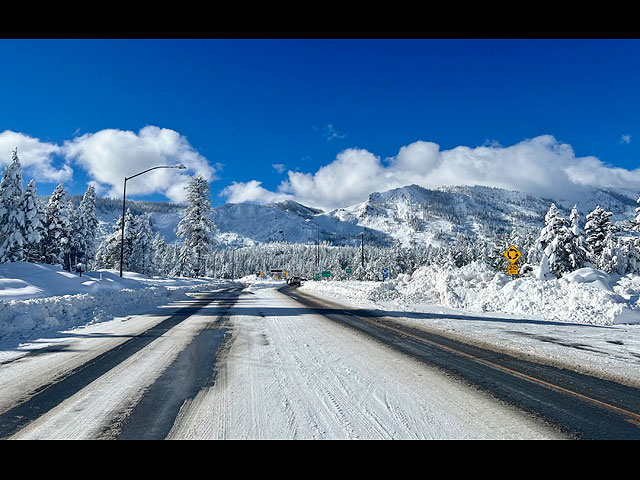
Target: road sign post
<point>512,254</point>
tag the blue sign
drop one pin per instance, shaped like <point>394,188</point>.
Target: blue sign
<point>385,273</point>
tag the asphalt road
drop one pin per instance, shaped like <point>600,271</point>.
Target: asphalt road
<point>192,336</point>
<point>583,407</point>
<point>153,415</point>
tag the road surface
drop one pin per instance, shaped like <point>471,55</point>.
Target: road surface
<point>260,362</point>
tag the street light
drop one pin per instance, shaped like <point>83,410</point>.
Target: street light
<point>318,245</point>
<point>124,196</point>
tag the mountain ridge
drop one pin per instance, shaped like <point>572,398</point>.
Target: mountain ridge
<point>406,215</point>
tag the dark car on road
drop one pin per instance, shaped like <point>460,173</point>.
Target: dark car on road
<point>295,281</point>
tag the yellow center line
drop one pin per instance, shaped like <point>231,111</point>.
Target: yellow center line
<point>634,417</point>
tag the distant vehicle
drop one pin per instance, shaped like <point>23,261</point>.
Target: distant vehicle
<point>295,281</point>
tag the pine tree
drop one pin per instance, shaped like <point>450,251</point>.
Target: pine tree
<point>553,244</point>
<point>196,227</point>
<point>159,255</point>
<point>11,215</point>
<point>578,249</point>
<point>141,255</point>
<point>635,222</point>
<point>89,226</point>
<point>56,228</point>
<point>597,228</point>
<point>33,223</point>
<point>108,254</point>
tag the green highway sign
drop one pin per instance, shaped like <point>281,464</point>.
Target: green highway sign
<point>326,273</point>
<point>349,271</point>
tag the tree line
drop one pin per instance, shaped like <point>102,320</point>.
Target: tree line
<point>58,233</point>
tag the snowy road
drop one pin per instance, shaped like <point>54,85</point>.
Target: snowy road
<point>243,363</point>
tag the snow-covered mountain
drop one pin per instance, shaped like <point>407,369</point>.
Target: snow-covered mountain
<point>410,214</point>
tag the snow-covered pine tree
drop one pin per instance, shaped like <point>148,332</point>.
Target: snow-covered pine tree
<point>89,224</point>
<point>159,255</point>
<point>33,223</point>
<point>635,222</point>
<point>130,234</point>
<point>176,267</point>
<point>108,254</point>
<point>196,227</point>
<point>577,247</point>
<point>56,228</point>
<point>76,238</point>
<point>553,242</point>
<point>597,229</point>
<point>11,215</point>
<point>141,256</point>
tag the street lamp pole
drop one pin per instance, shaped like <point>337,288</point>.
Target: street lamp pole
<point>124,197</point>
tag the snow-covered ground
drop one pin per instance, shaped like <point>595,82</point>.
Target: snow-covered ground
<point>588,320</point>
<point>38,299</point>
<point>287,373</point>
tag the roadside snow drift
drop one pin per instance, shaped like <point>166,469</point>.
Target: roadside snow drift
<point>586,295</point>
<point>39,297</point>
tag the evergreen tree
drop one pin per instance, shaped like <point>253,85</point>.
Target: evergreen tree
<point>597,228</point>
<point>33,223</point>
<point>196,227</point>
<point>89,226</point>
<point>12,223</point>
<point>635,222</point>
<point>578,249</point>
<point>108,254</point>
<point>56,228</point>
<point>130,233</point>
<point>159,255</point>
<point>553,244</point>
<point>141,255</point>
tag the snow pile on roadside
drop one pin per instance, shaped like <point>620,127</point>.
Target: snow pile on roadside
<point>584,296</point>
<point>37,297</point>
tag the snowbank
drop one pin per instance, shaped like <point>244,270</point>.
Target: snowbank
<point>584,296</point>
<point>38,297</point>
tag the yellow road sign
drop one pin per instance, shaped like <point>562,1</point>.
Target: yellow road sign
<point>512,269</point>
<point>512,254</point>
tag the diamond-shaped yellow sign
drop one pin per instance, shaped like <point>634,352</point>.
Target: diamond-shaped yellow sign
<point>512,254</point>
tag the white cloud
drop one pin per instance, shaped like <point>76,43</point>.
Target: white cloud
<point>540,166</point>
<point>626,138</point>
<point>280,167</point>
<point>252,191</point>
<point>330,133</point>
<point>110,155</point>
<point>36,157</point>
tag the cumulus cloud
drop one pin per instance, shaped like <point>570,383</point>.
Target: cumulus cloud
<point>540,166</point>
<point>253,191</point>
<point>110,155</point>
<point>38,158</point>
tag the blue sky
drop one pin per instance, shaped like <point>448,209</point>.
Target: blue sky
<point>245,111</point>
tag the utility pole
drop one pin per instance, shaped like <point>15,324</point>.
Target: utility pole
<point>362,248</point>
